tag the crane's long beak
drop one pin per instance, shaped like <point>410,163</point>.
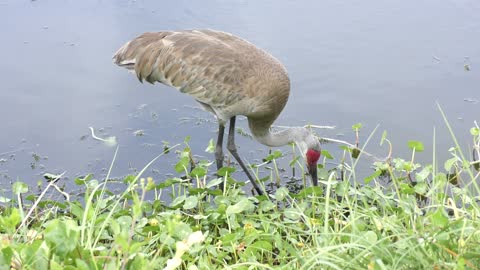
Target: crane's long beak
<point>312,170</point>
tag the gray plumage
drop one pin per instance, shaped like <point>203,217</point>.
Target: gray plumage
<point>227,75</point>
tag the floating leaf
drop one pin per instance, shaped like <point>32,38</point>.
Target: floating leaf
<point>50,177</point>
<point>139,133</point>
<point>82,181</point>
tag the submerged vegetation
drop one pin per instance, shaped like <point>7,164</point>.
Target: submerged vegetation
<point>404,215</point>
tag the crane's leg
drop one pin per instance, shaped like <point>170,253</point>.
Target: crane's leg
<point>219,148</point>
<point>233,150</point>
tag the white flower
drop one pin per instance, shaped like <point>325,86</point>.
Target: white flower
<point>173,263</point>
<point>196,237</point>
<point>181,248</point>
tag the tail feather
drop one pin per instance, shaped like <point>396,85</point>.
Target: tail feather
<point>130,55</point>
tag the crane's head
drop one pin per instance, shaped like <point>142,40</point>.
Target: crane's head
<point>310,147</point>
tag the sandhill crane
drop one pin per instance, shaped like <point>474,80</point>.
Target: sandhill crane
<point>228,76</point>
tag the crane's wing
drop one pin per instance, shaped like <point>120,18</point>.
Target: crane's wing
<point>209,65</point>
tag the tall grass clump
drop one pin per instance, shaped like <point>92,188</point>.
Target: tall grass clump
<point>405,215</point>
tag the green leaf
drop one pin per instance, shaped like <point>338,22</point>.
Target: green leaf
<point>243,205</point>
<point>370,237</point>
<point>355,152</point>
<point>266,206</point>
<point>81,264</point>
<point>475,131</point>
<point>182,164</point>
<point>81,181</point>
<point>357,126</point>
<point>322,173</point>
<point>276,154</point>
<point>258,247</point>
<point>281,193</point>
<point>415,145</point>
<point>9,223</point>
<point>406,189</point>
<point>190,202</point>
<point>292,213</point>
<point>61,236</point>
<point>198,172</point>
<point>187,139</point>
<point>317,191</point>
<point>19,188</point>
<point>178,200</point>
<point>439,218</point>
<point>421,188</point>
<point>225,170</point>
<point>129,179</point>
<point>214,182</point>
<point>384,137</point>
<point>449,164</point>
<point>211,146</point>
<point>424,173</point>
<point>376,174</point>
<point>326,154</point>
<point>6,255</point>
<point>294,161</point>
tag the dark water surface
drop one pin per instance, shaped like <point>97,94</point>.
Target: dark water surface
<point>376,62</point>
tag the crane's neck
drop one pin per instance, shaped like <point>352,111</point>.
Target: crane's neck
<point>264,135</point>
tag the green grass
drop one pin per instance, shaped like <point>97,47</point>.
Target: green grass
<point>404,216</point>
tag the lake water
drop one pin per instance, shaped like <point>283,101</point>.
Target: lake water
<point>378,62</point>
